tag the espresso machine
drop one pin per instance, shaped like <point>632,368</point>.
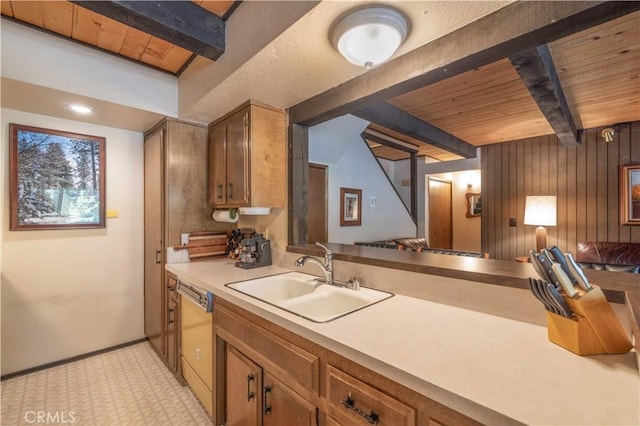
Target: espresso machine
<point>255,251</point>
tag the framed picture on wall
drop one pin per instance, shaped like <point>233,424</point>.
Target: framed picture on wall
<point>350,207</point>
<point>630,195</point>
<point>56,179</point>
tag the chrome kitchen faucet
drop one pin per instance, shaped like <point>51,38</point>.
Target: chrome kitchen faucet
<point>327,269</point>
<point>327,266</point>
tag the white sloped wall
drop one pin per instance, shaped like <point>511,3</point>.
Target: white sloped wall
<point>337,143</point>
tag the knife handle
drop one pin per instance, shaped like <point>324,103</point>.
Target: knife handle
<point>564,280</point>
<point>547,263</point>
<point>578,273</point>
<point>559,257</point>
<point>539,268</point>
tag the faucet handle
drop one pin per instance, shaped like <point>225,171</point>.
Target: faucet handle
<point>353,283</point>
<point>328,255</point>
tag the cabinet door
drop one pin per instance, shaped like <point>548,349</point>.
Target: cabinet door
<point>282,406</point>
<point>173,314</point>
<point>243,381</point>
<point>153,217</point>
<point>217,165</point>
<point>237,155</point>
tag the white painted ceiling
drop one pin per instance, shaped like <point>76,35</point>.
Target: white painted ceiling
<point>301,62</point>
<point>298,63</point>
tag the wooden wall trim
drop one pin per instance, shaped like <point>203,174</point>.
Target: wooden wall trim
<point>298,183</point>
<point>584,178</point>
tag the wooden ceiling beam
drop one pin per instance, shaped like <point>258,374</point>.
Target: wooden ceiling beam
<point>516,27</point>
<point>393,118</point>
<point>182,23</point>
<point>386,142</point>
<point>538,73</point>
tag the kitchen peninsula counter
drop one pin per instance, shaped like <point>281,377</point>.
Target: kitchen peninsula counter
<point>490,368</point>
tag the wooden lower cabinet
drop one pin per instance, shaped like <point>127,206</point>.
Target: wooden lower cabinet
<point>172,326</point>
<point>282,406</point>
<point>255,397</point>
<point>243,384</point>
<point>355,402</point>
<point>271,376</point>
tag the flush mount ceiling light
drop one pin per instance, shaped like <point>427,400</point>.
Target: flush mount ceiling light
<point>80,109</point>
<point>369,36</point>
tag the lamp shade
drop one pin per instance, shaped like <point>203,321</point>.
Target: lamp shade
<point>540,210</point>
<point>369,36</point>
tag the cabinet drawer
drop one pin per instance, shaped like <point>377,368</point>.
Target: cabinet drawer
<point>352,401</point>
<point>270,351</point>
<point>172,282</point>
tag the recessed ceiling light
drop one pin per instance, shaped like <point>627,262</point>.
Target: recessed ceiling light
<point>80,109</point>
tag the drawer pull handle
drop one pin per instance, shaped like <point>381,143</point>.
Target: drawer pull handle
<point>230,194</point>
<point>266,405</point>
<point>250,394</point>
<point>170,316</point>
<point>373,418</point>
<point>158,257</point>
<point>219,191</point>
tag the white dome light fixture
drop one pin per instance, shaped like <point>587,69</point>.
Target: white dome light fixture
<point>369,36</point>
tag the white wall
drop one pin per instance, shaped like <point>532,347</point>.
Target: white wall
<point>337,143</point>
<point>398,171</point>
<point>66,293</point>
<point>37,58</point>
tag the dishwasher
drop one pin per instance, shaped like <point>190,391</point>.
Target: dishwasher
<point>196,347</point>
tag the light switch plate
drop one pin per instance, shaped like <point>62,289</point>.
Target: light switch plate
<point>372,201</point>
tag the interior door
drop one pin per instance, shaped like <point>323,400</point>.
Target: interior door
<point>153,219</point>
<point>440,214</point>
<point>317,216</point>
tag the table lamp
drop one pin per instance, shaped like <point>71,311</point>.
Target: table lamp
<point>540,211</point>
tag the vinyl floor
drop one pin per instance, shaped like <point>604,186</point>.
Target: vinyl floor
<point>125,387</point>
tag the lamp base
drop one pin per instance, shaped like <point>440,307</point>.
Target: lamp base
<point>541,238</point>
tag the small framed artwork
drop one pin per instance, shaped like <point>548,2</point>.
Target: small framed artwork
<point>56,179</point>
<point>630,195</point>
<point>350,207</point>
<point>474,204</point>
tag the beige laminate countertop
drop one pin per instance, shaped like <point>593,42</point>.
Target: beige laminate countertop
<point>493,369</point>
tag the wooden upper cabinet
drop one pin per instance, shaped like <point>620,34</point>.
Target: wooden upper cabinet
<point>247,158</point>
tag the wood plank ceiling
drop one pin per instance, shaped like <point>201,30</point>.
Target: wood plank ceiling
<point>598,69</point>
<point>87,27</point>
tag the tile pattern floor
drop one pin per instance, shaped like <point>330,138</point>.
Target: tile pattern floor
<point>128,386</point>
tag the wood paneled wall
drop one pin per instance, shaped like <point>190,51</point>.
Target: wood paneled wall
<point>584,178</point>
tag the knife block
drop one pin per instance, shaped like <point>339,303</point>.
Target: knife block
<point>596,330</point>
